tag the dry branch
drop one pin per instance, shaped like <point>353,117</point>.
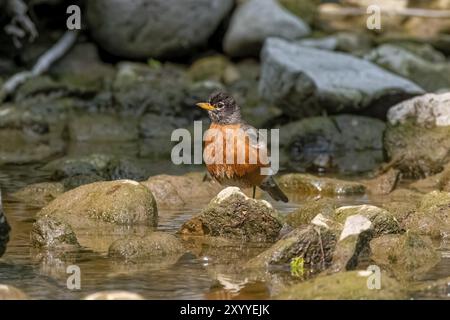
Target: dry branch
<point>42,65</point>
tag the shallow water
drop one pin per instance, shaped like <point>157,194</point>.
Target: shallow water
<point>202,274</point>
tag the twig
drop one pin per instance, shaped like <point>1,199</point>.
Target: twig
<point>407,12</point>
<point>21,24</point>
<point>42,65</point>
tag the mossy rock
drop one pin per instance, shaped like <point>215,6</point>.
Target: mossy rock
<point>408,147</point>
<point>408,255</point>
<point>432,216</point>
<point>306,213</point>
<point>152,246</point>
<point>233,215</point>
<point>383,222</point>
<point>310,185</point>
<point>39,194</point>
<point>100,213</point>
<point>312,243</point>
<point>351,285</point>
<point>51,232</point>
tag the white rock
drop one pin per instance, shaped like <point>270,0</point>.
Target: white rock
<point>354,225</point>
<point>428,109</point>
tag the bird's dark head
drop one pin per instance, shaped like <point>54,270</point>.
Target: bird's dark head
<point>222,108</point>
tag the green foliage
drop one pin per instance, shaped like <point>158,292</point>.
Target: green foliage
<point>297,267</point>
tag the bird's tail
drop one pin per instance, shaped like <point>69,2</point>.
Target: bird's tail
<point>270,186</point>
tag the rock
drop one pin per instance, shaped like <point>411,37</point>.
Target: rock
<point>431,217</point>
<point>139,89</point>
<point>39,194</point>
<point>72,67</point>
<point>349,285</point>
<point>314,244</point>
<point>423,50</point>
<point>157,131</point>
<point>358,225</point>
<point>432,76</point>
<point>152,246</point>
<point>178,191</point>
<point>351,42</point>
<point>382,221</point>
<point>408,255</point>
<point>146,25</point>
<point>440,181</point>
<point>8,292</point>
<point>292,77</point>
<point>309,210</point>
<point>232,215</point>
<point>103,127</point>
<point>4,229</point>
<point>98,213</point>
<point>427,110</point>
<point>214,68</point>
<point>345,143</point>
<point>79,170</point>
<point>34,128</point>
<point>353,243</point>
<point>114,295</point>
<point>307,184</point>
<point>415,125</point>
<point>305,9</point>
<point>156,126</point>
<point>402,203</point>
<point>384,183</point>
<point>256,20</point>
<point>53,233</point>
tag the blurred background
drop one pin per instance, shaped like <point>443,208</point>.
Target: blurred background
<point>135,69</point>
<point>100,101</point>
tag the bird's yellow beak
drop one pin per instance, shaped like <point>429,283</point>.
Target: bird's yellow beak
<point>206,106</point>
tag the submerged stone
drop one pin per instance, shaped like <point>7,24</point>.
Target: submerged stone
<point>350,285</point>
<point>311,185</point>
<point>39,194</point>
<point>152,246</point>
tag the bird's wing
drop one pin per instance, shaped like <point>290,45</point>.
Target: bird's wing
<point>257,142</point>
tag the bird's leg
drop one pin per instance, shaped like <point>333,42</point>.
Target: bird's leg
<point>254,191</point>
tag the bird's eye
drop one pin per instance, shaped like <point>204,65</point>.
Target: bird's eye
<point>220,105</point>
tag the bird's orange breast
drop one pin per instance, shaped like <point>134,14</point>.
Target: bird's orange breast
<point>231,157</point>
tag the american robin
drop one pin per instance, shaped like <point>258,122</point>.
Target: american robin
<point>233,154</point>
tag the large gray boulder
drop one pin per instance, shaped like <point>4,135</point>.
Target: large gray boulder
<point>256,20</point>
<point>305,81</point>
<point>430,75</point>
<point>154,28</point>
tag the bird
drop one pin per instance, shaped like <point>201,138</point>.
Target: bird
<point>230,133</point>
